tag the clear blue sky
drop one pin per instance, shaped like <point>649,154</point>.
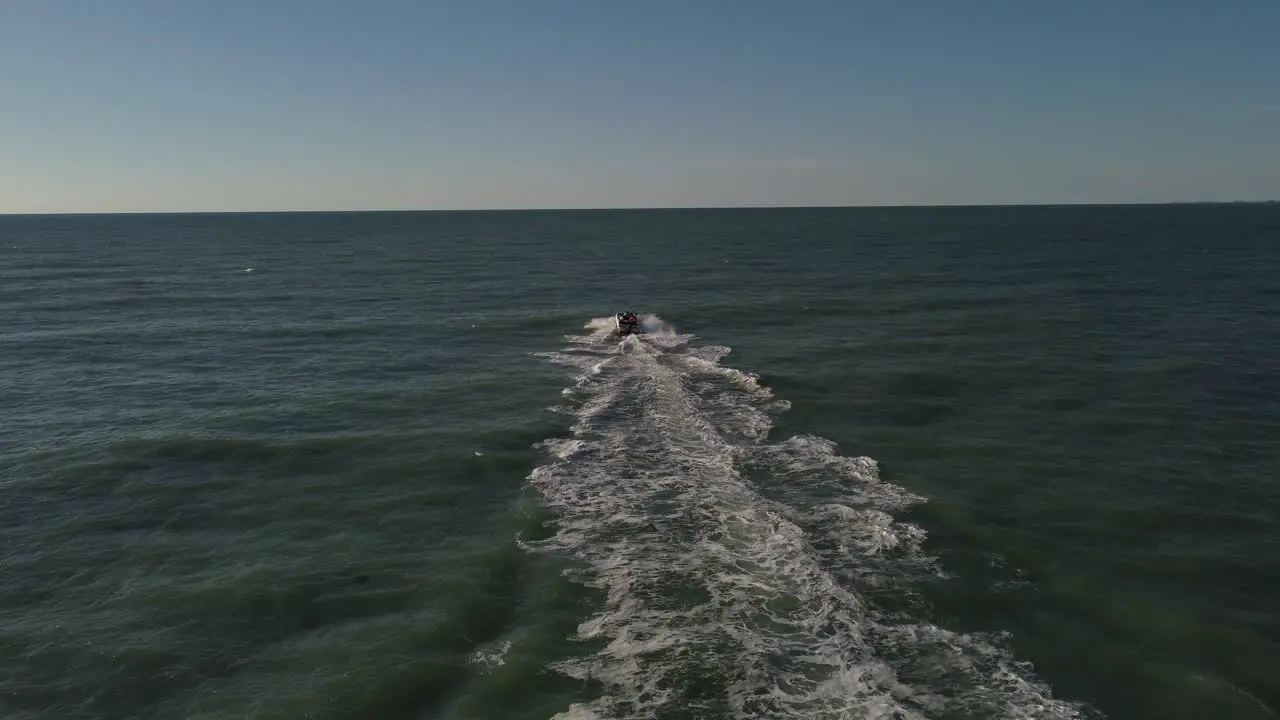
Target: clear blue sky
<point>164,105</point>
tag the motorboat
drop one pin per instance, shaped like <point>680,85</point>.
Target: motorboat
<point>626,323</point>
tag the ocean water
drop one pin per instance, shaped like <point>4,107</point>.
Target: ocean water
<point>865,463</point>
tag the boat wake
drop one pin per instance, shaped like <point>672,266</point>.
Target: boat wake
<point>722,599</point>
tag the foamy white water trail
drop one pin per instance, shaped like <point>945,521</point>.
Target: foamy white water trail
<point>722,600</point>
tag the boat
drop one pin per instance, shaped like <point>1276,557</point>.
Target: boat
<point>626,323</point>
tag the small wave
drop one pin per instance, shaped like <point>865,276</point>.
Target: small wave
<point>719,599</point>
<point>491,656</point>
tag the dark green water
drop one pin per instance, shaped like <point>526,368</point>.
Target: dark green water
<point>908,463</point>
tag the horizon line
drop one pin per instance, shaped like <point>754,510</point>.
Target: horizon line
<point>641,208</point>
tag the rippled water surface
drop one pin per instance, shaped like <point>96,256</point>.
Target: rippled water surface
<point>899,463</point>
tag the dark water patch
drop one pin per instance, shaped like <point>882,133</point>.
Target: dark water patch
<point>90,277</point>
<point>261,609</point>
<point>159,297</point>
<point>1131,625</point>
<point>221,458</point>
<point>923,385</point>
<point>408,662</point>
<point>983,297</point>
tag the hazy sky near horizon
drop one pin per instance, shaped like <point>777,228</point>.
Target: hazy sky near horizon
<point>155,105</point>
